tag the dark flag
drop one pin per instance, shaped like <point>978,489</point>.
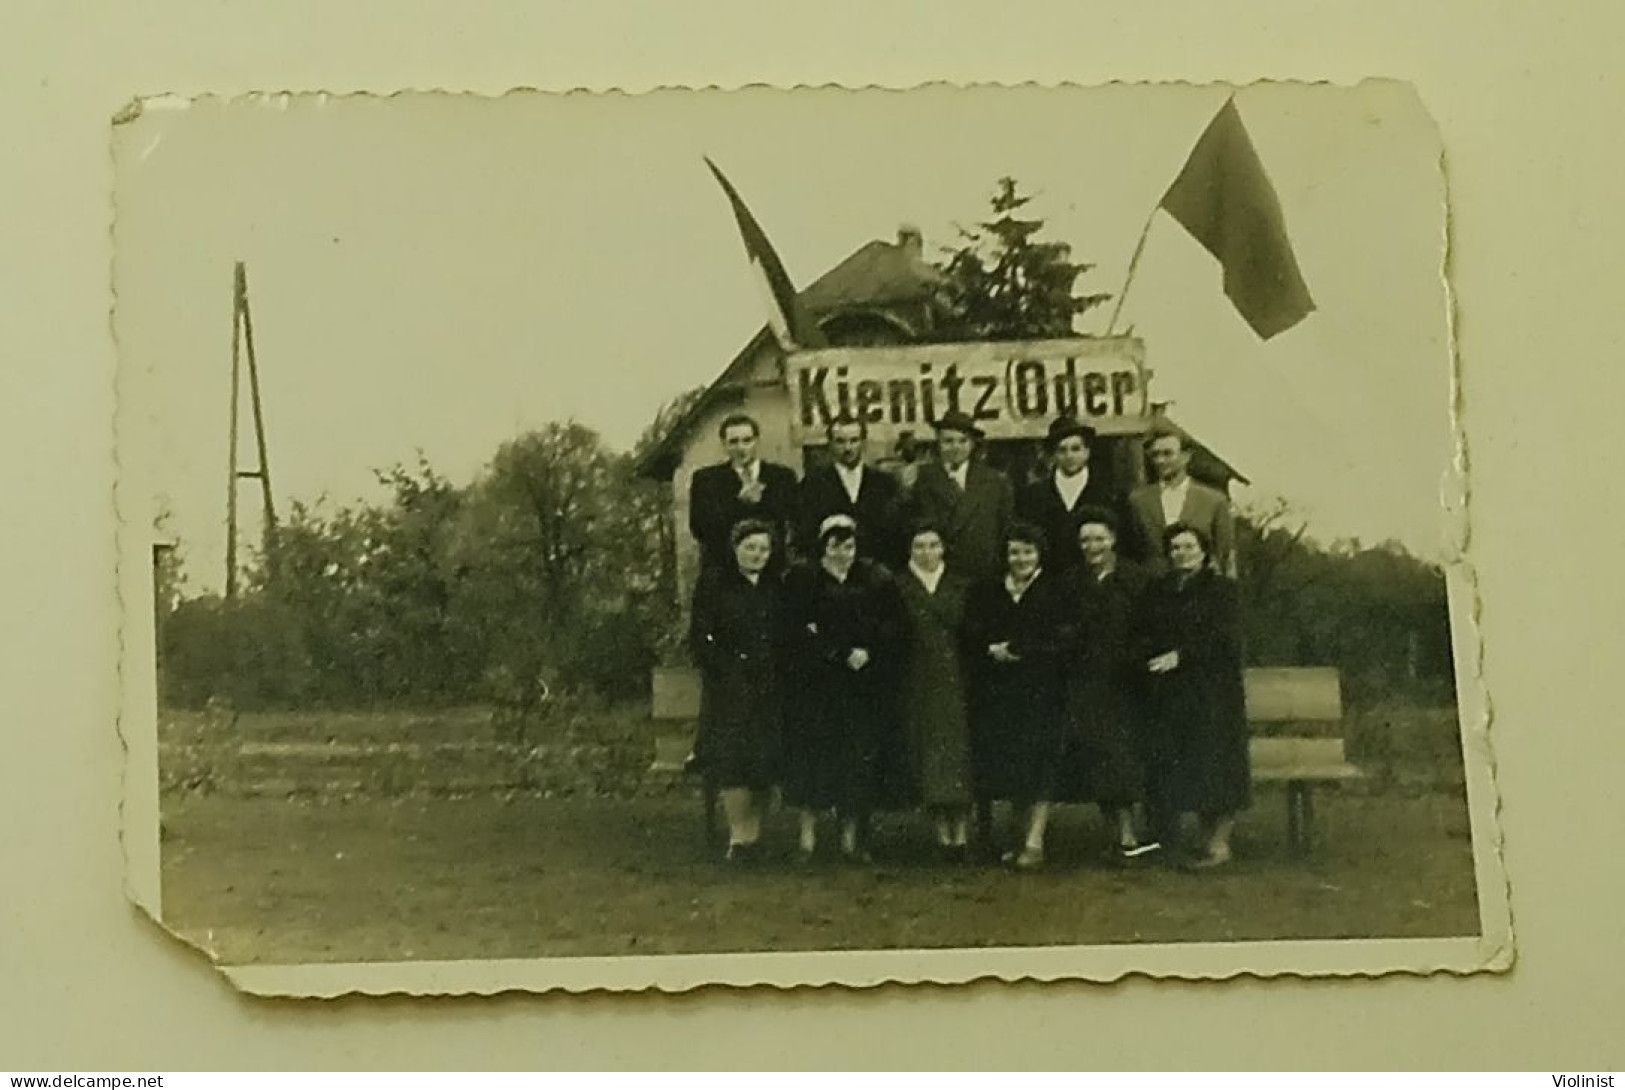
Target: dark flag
<point>1225,200</point>
<point>785,315</point>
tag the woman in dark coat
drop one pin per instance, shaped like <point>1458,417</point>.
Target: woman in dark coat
<point>1197,760</point>
<point>737,634</point>
<point>1017,628</point>
<point>848,622</point>
<point>935,720</point>
<point>1105,676</point>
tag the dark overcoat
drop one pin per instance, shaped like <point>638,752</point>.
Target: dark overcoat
<point>1018,732</point>
<point>936,719</point>
<point>878,512</point>
<point>1105,680</point>
<point>842,731</point>
<point>715,507</point>
<point>973,519</point>
<point>1197,726</point>
<point>1040,503</point>
<point>738,635</point>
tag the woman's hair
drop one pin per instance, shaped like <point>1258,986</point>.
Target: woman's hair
<point>1177,528</point>
<point>1027,534</point>
<point>838,533</point>
<point>747,528</point>
<point>925,526</point>
<point>1100,516</point>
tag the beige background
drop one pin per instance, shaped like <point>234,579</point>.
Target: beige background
<point>1527,98</point>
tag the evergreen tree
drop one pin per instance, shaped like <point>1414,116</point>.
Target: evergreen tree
<point>1003,283</point>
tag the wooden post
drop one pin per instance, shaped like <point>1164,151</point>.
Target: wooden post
<point>238,292</point>
<point>1133,266</point>
<point>242,338</point>
<point>264,472</point>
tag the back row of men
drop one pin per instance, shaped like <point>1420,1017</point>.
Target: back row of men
<point>973,501</point>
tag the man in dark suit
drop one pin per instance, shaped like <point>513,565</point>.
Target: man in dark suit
<point>1175,497</point>
<point>846,486</point>
<point>1056,502</point>
<point>973,503</point>
<point>741,487</point>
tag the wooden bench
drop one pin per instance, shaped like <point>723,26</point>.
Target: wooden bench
<point>1309,698</point>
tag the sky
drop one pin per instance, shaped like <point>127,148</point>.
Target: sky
<point>442,273</point>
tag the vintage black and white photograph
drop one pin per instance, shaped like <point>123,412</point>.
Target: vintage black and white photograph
<point>610,541</point>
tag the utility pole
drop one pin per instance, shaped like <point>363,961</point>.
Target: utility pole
<point>242,344</point>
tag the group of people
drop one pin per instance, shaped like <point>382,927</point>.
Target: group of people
<point>950,641</point>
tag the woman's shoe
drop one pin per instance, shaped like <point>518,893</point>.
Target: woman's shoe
<point>1027,859</point>
<point>1215,857</point>
<point>742,855</point>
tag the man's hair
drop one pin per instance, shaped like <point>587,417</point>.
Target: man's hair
<point>1168,433</point>
<point>734,420</point>
<point>842,420</point>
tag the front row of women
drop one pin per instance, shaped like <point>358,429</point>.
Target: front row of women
<point>857,689</point>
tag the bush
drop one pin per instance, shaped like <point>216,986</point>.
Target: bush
<point>248,653</point>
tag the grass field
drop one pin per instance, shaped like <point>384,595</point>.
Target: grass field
<point>259,879</point>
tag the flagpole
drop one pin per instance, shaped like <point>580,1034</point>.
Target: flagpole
<point>1133,264</point>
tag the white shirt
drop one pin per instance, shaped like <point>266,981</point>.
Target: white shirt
<point>958,475</point>
<point>749,472</point>
<point>928,579</point>
<point>851,479</point>
<point>1173,501</point>
<point>1071,487</point>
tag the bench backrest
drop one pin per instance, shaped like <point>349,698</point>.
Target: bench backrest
<point>1293,694</point>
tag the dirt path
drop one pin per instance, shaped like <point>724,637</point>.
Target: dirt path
<point>271,880</point>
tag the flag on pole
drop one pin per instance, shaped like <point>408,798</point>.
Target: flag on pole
<point>785,315</point>
<point>1225,200</point>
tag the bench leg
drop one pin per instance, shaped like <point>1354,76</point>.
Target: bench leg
<point>1308,806</point>
<point>1294,817</point>
<point>712,840</point>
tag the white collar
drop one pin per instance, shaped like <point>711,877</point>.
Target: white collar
<point>1010,585</point>
<point>962,474</point>
<point>750,471</point>
<point>1070,488</point>
<point>928,579</point>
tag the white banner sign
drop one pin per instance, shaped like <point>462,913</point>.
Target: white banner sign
<point>1010,389</point>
